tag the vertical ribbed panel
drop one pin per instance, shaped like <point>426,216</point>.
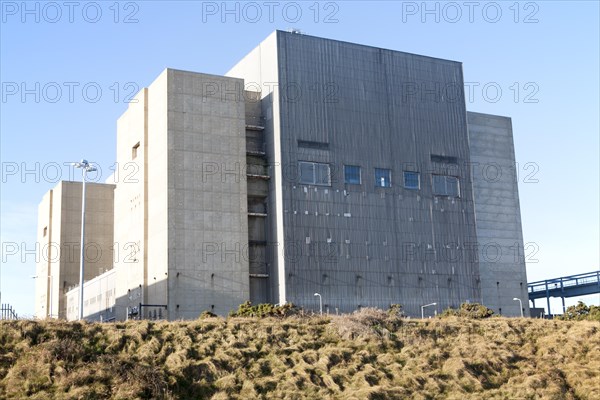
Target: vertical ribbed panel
<point>377,109</point>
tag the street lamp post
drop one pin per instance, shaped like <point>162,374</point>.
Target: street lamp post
<point>423,308</point>
<point>520,304</point>
<point>85,168</point>
<point>320,303</point>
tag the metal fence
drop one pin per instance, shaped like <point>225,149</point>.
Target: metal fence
<point>7,312</point>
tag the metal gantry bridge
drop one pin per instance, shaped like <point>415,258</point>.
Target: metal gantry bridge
<point>566,286</point>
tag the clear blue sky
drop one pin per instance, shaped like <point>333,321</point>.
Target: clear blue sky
<point>543,55</point>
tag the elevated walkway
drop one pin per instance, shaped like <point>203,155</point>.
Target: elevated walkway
<point>563,287</point>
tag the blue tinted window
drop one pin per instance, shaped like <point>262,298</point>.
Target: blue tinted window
<point>411,180</point>
<point>352,174</point>
<point>383,177</point>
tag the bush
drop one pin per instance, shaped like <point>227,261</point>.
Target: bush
<point>264,310</point>
<point>468,310</point>
<point>207,314</point>
<point>396,310</point>
<point>581,312</point>
<point>366,322</point>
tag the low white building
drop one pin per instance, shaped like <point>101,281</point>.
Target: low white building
<point>99,296</point>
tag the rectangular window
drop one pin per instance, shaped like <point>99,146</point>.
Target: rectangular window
<point>45,231</point>
<point>312,173</point>
<point>411,180</point>
<point>452,187</point>
<point>134,150</point>
<point>352,174</point>
<point>383,177</point>
<point>307,172</point>
<point>322,176</point>
<point>439,185</point>
<point>309,144</point>
<point>444,185</point>
<point>443,159</point>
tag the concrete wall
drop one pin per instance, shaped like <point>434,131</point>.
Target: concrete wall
<point>187,214</point>
<point>131,204</point>
<point>207,201</point>
<point>47,262</point>
<point>498,214</point>
<point>59,217</point>
<point>158,193</point>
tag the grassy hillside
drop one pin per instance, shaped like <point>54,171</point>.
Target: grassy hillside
<point>364,356</point>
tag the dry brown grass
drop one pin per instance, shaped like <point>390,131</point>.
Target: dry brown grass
<point>366,355</point>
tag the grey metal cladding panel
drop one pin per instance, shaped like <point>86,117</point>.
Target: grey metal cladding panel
<point>371,97</point>
<point>358,99</point>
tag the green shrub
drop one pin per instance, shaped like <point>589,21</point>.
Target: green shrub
<point>246,309</point>
<point>396,310</point>
<point>581,312</point>
<point>207,314</point>
<point>468,310</point>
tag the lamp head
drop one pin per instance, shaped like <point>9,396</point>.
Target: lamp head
<point>84,164</point>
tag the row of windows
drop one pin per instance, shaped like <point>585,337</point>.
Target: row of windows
<point>312,173</point>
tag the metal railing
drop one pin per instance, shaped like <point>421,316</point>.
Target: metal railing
<point>565,281</point>
<point>7,312</point>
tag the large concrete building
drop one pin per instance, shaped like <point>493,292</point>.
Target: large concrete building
<point>313,166</point>
<point>171,215</point>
